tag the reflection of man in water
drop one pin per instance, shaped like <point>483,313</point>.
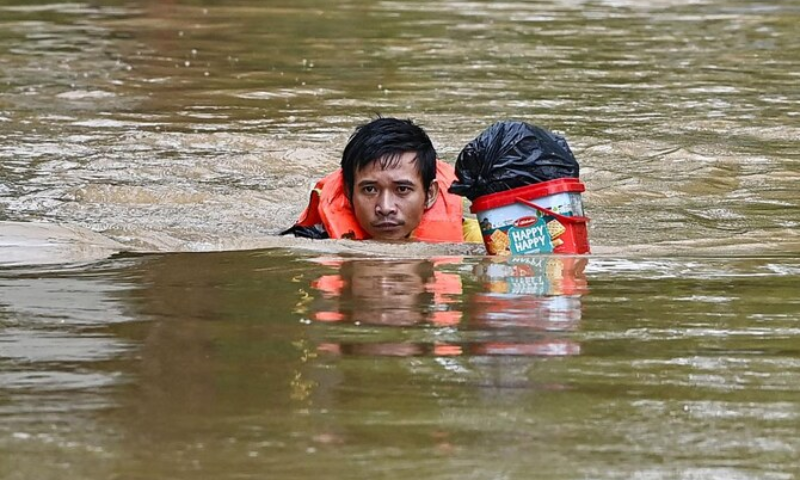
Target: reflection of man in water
<point>380,292</point>
<point>375,292</point>
<point>391,293</point>
<point>408,293</point>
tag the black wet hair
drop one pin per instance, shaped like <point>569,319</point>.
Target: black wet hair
<point>384,140</point>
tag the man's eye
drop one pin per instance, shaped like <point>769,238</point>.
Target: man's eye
<point>369,189</point>
<point>403,189</point>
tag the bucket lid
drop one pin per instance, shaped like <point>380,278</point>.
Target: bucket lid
<point>529,192</point>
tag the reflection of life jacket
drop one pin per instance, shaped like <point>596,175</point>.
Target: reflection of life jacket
<point>330,207</point>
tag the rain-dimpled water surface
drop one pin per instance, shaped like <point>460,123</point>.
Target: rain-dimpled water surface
<point>154,325</point>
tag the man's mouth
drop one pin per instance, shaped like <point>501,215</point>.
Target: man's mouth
<point>387,225</point>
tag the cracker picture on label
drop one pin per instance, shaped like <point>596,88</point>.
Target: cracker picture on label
<point>555,228</point>
<point>499,244</point>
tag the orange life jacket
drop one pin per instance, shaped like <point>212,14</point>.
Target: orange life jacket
<point>330,207</point>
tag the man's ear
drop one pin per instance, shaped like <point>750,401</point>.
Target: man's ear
<point>432,194</point>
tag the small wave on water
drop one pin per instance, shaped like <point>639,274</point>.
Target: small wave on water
<point>25,243</point>
<point>39,243</point>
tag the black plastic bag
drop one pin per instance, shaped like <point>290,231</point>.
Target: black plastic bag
<point>510,155</point>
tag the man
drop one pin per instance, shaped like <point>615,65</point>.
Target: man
<point>390,187</point>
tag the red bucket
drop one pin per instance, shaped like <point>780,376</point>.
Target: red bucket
<point>543,218</point>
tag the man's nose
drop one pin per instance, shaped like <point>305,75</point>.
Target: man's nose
<point>386,205</point>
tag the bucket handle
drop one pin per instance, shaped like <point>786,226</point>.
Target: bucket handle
<point>547,211</point>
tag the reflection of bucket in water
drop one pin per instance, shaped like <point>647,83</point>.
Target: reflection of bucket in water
<point>534,275</point>
<point>511,223</point>
<point>537,292</point>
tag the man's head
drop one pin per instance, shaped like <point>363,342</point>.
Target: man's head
<point>389,169</point>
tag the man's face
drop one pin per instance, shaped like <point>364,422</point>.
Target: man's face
<point>389,203</point>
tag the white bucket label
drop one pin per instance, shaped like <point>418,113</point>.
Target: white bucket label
<point>529,236</point>
<point>499,224</point>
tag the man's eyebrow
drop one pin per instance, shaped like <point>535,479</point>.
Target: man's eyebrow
<point>401,182</point>
<point>405,183</point>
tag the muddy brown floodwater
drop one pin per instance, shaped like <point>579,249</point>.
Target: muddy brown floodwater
<point>152,325</point>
